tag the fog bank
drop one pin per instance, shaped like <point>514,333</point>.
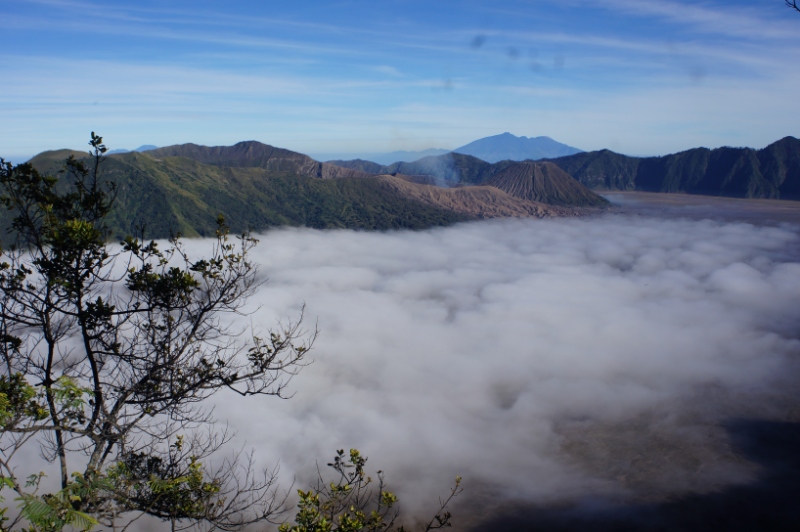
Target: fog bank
<point>542,360</point>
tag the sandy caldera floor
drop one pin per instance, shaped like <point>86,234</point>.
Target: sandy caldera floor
<point>695,207</point>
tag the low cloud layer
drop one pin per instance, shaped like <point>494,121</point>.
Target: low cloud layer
<point>538,359</point>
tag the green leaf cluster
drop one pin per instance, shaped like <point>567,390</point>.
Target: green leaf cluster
<point>108,353</point>
<point>354,502</point>
<point>19,401</point>
<point>170,489</point>
<point>53,512</point>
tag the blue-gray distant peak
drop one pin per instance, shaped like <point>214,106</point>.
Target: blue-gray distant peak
<point>506,147</point>
<point>409,156</point>
<point>381,158</point>
<point>146,147</point>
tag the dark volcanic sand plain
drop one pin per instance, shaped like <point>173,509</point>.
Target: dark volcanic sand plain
<point>692,473</point>
<point>693,207</point>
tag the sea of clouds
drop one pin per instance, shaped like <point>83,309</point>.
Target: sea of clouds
<point>542,360</point>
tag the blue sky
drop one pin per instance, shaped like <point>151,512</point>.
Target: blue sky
<point>351,77</point>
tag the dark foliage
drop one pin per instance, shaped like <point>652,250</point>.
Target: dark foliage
<point>109,352</point>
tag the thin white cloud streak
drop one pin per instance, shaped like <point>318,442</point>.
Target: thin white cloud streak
<point>170,34</point>
<point>718,18</point>
<point>640,52</point>
<point>468,350</point>
<point>352,42</point>
<point>722,19</point>
<point>289,102</point>
<point>82,80</point>
<point>124,100</point>
<point>199,18</point>
<point>632,120</point>
<point>282,109</point>
<point>449,42</point>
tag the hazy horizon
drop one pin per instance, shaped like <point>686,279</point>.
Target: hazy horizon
<point>378,156</point>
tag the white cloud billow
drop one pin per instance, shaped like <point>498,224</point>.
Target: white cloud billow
<point>493,349</point>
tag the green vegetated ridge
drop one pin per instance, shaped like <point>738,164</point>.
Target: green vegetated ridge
<point>772,172</point>
<point>170,194</point>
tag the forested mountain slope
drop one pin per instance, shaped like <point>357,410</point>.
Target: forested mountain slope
<point>169,194</point>
<point>772,172</point>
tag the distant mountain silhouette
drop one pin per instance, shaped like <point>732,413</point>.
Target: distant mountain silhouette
<point>544,183</point>
<point>370,167</point>
<point>452,168</point>
<point>145,147</point>
<point>510,147</point>
<point>490,149</point>
<point>772,172</point>
<point>382,158</point>
<point>406,156</point>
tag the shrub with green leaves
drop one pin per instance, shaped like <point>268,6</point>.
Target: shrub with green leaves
<point>107,354</point>
<point>354,502</point>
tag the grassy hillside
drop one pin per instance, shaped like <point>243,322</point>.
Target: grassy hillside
<point>179,194</point>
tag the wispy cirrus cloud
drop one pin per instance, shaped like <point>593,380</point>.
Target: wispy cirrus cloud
<point>537,66</point>
<point>721,18</point>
